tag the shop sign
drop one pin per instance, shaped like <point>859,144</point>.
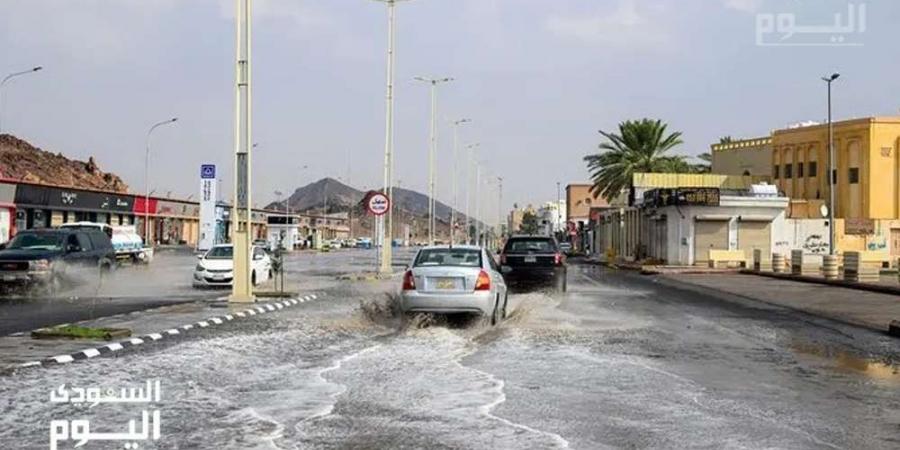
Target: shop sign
<point>859,226</point>
<point>698,196</point>
<point>60,198</point>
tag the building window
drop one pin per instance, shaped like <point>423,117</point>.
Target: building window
<point>788,171</point>
<point>800,170</point>
<point>813,169</point>
<point>775,173</point>
<point>853,175</point>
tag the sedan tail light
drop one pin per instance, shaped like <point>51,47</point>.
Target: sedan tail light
<point>409,282</point>
<point>557,258</point>
<point>483,283</point>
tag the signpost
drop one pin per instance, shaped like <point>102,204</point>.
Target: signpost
<point>208,198</point>
<point>378,205</point>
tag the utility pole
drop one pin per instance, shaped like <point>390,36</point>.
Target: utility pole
<point>477,204</point>
<point>242,289</point>
<point>471,148</point>
<point>10,77</point>
<point>147,240</point>
<point>387,228</point>
<point>557,228</point>
<point>455,182</point>
<point>499,206</point>
<point>432,150</point>
<point>831,175</point>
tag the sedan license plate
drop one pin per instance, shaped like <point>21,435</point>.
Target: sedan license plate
<point>530,259</point>
<point>218,277</point>
<point>9,278</point>
<point>445,283</point>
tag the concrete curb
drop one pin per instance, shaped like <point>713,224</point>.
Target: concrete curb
<point>881,289</point>
<point>252,311</point>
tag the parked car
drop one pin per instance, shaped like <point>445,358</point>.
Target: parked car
<point>45,257</point>
<point>565,248</point>
<point>263,244</point>
<point>461,279</point>
<point>216,267</point>
<point>534,260</point>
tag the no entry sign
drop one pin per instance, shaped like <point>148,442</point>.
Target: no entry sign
<point>378,204</point>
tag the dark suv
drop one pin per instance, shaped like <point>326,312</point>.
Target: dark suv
<point>42,257</point>
<point>533,260</point>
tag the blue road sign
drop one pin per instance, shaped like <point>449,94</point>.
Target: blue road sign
<point>208,171</point>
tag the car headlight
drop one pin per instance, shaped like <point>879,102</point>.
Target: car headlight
<point>199,268</point>
<point>39,264</point>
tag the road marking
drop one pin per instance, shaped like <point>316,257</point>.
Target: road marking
<point>251,312</point>
<point>21,333</point>
<point>155,336</point>
<point>91,352</point>
<point>229,317</point>
<point>115,347</point>
<point>279,306</point>
<point>62,359</point>
<point>136,341</point>
<point>172,331</point>
<point>239,314</point>
<point>261,310</point>
<point>187,327</point>
<point>31,364</point>
<point>270,307</point>
<point>216,320</point>
<point>203,324</point>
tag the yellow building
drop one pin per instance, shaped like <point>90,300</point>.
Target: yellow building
<point>866,162</point>
<point>743,157</point>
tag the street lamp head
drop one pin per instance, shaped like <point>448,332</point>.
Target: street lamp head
<point>37,68</point>
<point>831,78</point>
<point>174,119</point>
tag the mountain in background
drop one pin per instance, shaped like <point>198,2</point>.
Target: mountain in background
<point>341,198</point>
<point>22,161</point>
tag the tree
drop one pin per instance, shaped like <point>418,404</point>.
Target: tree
<point>639,146</point>
<point>529,223</point>
<point>706,165</point>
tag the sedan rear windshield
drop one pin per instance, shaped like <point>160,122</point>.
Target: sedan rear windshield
<point>537,245</point>
<point>220,253</point>
<point>447,257</point>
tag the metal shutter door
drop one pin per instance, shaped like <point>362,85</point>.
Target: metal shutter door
<point>753,235</point>
<point>709,235</point>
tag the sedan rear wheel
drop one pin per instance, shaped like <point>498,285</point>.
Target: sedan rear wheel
<point>495,315</point>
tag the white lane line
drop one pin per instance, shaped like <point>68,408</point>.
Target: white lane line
<point>137,341</point>
<point>261,310</point>
<point>270,307</point>
<point>155,336</point>
<point>239,314</point>
<point>21,333</point>
<point>216,320</point>
<point>172,331</point>
<point>251,312</point>
<point>313,296</point>
<point>62,359</point>
<point>203,324</point>
<point>279,306</point>
<point>114,347</point>
<point>30,364</point>
<point>187,327</point>
<point>229,317</point>
<point>91,352</point>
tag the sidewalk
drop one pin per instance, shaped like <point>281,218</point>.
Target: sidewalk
<point>861,308</point>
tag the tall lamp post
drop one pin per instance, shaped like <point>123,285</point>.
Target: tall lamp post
<point>386,231</point>
<point>10,77</point>
<point>242,289</point>
<point>499,207</point>
<point>147,179</point>
<point>557,228</point>
<point>432,149</point>
<point>454,180</point>
<point>471,148</point>
<point>831,174</point>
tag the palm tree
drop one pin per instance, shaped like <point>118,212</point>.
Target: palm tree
<point>640,146</point>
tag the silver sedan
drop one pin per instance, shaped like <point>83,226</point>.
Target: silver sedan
<point>452,280</point>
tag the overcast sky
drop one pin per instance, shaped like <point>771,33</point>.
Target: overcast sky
<point>537,77</point>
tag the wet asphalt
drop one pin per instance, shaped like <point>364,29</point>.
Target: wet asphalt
<point>620,361</point>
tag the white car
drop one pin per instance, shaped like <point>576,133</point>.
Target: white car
<point>216,267</point>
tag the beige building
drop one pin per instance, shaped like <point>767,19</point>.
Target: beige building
<point>743,157</point>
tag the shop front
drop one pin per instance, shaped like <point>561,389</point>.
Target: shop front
<point>47,206</point>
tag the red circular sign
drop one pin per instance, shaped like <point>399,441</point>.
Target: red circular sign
<point>378,204</point>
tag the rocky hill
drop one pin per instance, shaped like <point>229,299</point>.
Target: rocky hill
<point>20,160</point>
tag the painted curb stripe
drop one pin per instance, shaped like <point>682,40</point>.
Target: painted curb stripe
<point>116,346</point>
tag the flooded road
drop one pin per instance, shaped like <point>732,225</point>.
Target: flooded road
<point>618,361</point>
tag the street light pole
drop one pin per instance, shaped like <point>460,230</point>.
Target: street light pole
<point>386,231</point>
<point>455,182</point>
<point>242,289</point>
<point>477,203</point>
<point>471,148</point>
<point>10,77</point>
<point>556,229</point>
<point>831,175</point>
<point>432,150</point>
<point>499,206</point>
<point>147,239</point>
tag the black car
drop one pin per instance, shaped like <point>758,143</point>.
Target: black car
<point>43,257</point>
<point>533,260</point>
